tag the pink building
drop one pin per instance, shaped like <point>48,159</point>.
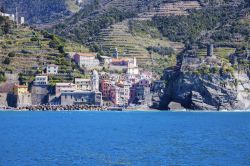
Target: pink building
<point>105,88</point>
<point>120,94</point>
<point>64,87</point>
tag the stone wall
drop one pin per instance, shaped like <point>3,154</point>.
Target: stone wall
<point>23,100</point>
<point>39,95</point>
<point>3,100</point>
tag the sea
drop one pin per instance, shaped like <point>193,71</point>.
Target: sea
<point>124,138</point>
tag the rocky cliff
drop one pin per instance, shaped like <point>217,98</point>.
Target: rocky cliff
<point>206,92</point>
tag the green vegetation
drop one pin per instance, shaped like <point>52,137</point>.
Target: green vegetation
<point>2,77</point>
<point>161,50</point>
<point>37,11</point>
<point>28,51</point>
<point>189,28</point>
<point>12,54</point>
<point>91,28</point>
<point>6,61</point>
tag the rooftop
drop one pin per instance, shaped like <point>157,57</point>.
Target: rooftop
<point>120,60</point>
<point>64,84</point>
<point>21,86</point>
<point>86,54</point>
<point>52,65</point>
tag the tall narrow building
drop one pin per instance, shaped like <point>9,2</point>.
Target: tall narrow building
<point>95,81</point>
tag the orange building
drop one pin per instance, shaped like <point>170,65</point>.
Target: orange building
<point>20,89</point>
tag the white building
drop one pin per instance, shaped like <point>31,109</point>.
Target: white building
<point>41,80</point>
<point>52,69</point>
<point>95,81</point>
<point>10,16</point>
<point>87,60</point>
<point>83,84</point>
<point>106,60</point>
<point>64,87</point>
<point>22,20</point>
<point>132,67</point>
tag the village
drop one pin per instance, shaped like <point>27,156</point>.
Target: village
<point>108,82</point>
<point>124,85</point>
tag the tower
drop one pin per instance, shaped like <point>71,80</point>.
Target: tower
<point>95,81</point>
<point>116,54</point>
<point>22,20</point>
<point>135,62</point>
<point>210,50</point>
<point>16,16</point>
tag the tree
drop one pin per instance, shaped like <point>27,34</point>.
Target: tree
<point>12,54</point>
<point>6,61</point>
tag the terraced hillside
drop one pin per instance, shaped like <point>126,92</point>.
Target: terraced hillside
<point>26,51</point>
<point>41,11</point>
<point>133,44</point>
<point>170,8</point>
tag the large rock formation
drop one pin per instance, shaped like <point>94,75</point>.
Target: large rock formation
<point>206,92</point>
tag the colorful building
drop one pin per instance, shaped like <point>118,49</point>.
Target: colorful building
<point>120,94</point>
<point>20,89</point>
<point>105,88</point>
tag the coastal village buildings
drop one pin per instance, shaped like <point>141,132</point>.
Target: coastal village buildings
<point>105,88</point>
<point>120,93</point>
<point>95,81</point>
<point>119,86</point>
<point>83,84</point>
<point>10,16</point>
<point>52,69</point>
<point>64,87</point>
<point>81,98</point>
<point>20,89</point>
<point>41,80</point>
<point>21,96</point>
<point>87,60</point>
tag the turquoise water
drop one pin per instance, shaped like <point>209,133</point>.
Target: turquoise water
<point>124,138</point>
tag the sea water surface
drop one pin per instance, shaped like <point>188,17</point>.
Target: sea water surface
<point>124,138</point>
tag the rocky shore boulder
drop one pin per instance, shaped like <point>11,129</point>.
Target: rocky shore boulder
<point>202,92</point>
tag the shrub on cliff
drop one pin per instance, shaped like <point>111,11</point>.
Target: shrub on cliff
<point>6,61</point>
<point>12,54</point>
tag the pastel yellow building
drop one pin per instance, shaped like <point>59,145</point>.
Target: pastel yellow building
<point>20,89</point>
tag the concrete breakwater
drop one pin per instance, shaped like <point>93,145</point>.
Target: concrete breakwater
<point>61,108</point>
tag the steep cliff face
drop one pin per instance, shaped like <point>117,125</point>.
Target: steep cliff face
<point>205,92</point>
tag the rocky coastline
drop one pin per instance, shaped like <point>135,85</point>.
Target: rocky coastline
<point>190,91</point>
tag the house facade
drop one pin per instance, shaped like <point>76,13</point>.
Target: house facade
<point>83,84</point>
<point>52,69</point>
<point>87,60</point>
<point>41,80</point>
<point>64,87</point>
<point>120,94</point>
<point>81,98</point>
<point>20,89</point>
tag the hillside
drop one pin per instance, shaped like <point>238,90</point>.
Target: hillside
<point>153,31</point>
<point>45,11</point>
<point>26,51</point>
